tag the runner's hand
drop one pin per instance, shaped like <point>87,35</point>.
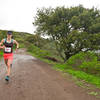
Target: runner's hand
<point>2,47</point>
<point>16,50</point>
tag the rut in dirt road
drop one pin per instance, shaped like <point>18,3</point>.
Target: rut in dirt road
<point>32,79</point>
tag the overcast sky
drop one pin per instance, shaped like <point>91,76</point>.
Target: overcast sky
<point>18,15</point>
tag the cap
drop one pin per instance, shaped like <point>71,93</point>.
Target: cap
<point>9,32</point>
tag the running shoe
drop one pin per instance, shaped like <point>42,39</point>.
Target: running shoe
<point>7,78</point>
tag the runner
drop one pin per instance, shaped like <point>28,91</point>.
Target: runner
<point>7,46</point>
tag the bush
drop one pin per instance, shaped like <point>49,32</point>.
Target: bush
<point>85,61</point>
<point>37,51</point>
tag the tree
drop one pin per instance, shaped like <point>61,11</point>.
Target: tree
<point>36,39</point>
<point>72,29</point>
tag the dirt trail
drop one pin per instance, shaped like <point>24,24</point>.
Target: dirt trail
<point>32,79</point>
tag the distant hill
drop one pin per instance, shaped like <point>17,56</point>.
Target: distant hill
<point>19,36</point>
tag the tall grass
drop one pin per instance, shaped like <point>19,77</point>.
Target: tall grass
<point>1,54</point>
<point>37,51</point>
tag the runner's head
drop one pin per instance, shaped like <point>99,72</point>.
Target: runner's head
<point>9,34</point>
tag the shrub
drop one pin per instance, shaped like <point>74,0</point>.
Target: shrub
<point>37,51</point>
<point>85,61</point>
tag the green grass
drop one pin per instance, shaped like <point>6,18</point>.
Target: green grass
<point>21,45</point>
<point>93,93</point>
<point>1,54</point>
<point>79,74</point>
<point>84,76</point>
<point>39,57</point>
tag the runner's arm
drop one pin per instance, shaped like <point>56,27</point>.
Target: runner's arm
<point>17,44</point>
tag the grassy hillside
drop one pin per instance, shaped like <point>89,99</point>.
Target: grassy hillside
<point>19,36</point>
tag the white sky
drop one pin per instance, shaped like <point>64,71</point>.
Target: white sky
<point>18,15</point>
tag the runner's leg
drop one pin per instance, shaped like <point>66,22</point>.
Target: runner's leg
<point>6,60</point>
<point>8,66</point>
